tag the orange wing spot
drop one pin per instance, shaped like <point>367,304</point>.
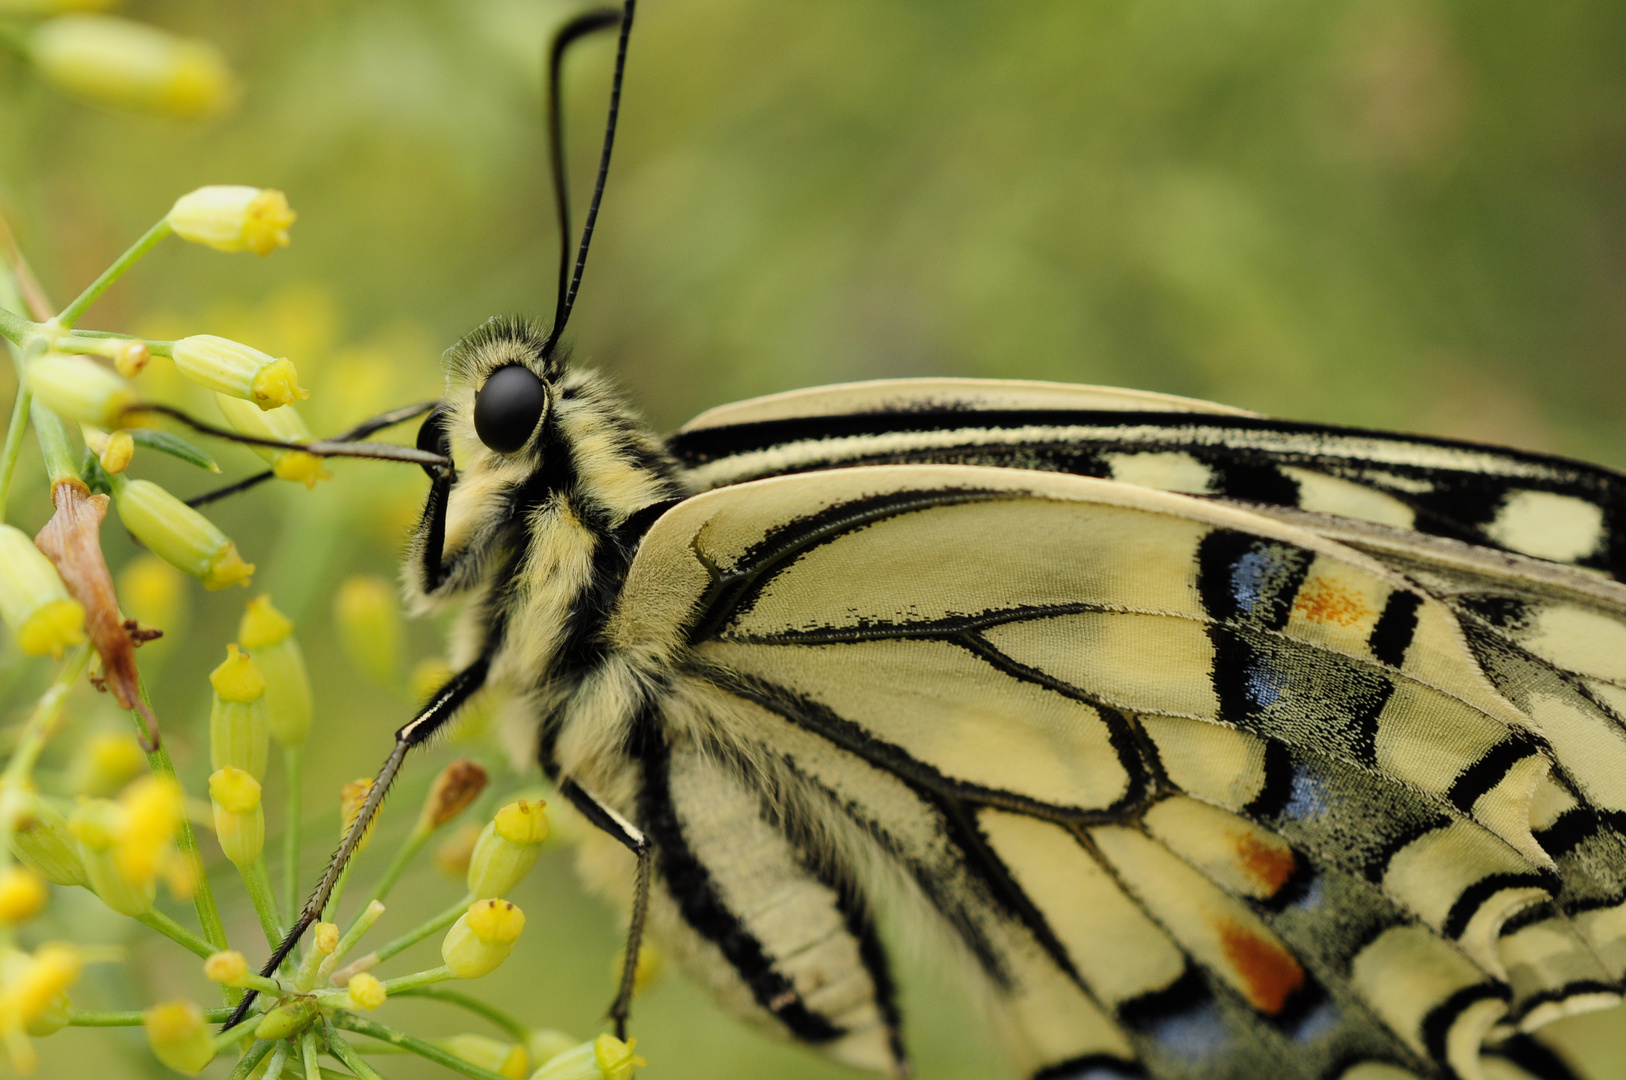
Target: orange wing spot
<point>1269,973</point>
<point>1324,600</point>
<point>1268,864</point>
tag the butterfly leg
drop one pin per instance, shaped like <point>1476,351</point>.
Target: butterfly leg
<point>633,839</point>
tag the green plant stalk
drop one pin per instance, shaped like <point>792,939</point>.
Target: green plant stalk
<point>177,933</point>
<point>420,978</point>
<point>14,444</point>
<point>279,1058</point>
<point>362,1026</point>
<point>347,1054</point>
<point>438,923</point>
<point>510,1026</point>
<point>307,1052</point>
<point>403,857</point>
<point>258,882</point>
<point>148,241</point>
<point>291,762</point>
<point>60,461</point>
<point>362,923</point>
<point>251,1060</point>
<point>14,328</point>
<point>203,897</point>
<point>131,1017</point>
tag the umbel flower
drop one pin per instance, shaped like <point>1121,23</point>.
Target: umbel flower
<point>232,217</point>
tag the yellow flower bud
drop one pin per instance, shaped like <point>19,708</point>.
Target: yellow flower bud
<point>507,849</point>
<point>99,825</point>
<point>605,1058</point>
<point>352,797</point>
<point>366,992</point>
<point>105,762</point>
<point>22,895</point>
<point>227,967</point>
<point>239,722</point>
<point>179,534</point>
<point>370,626</point>
<point>130,358</point>
<point>153,593</point>
<point>458,785</point>
<point>283,424</point>
<point>128,64</point>
<point>79,388</point>
<point>482,938</point>
<point>179,1036</point>
<point>286,1020</point>
<point>269,636</point>
<point>326,938</point>
<point>33,600</point>
<point>151,810</point>
<point>43,842</point>
<point>232,217</point>
<point>494,1055</point>
<point>236,370</point>
<point>34,986</point>
<point>115,457</point>
<point>239,817</point>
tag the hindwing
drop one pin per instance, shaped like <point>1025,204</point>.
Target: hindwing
<point>1198,792</point>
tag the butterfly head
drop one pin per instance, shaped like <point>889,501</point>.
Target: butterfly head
<point>502,385</point>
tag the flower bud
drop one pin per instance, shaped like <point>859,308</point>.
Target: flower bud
<point>285,1020</point>
<point>79,388</point>
<point>180,1036</point>
<point>130,358</point>
<point>33,600</point>
<point>227,967</point>
<point>507,849</point>
<point>153,592</point>
<point>96,824</point>
<point>284,425</point>
<point>236,370</point>
<point>42,841</point>
<point>239,722</point>
<point>35,987</point>
<point>115,456</point>
<point>482,938</point>
<point>458,785</point>
<point>179,534</point>
<point>493,1055</point>
<point>325,938</point>
<point>366,992</point>
<point>269,636</point>
<point>239,818</point>
<point>22,895</point>
<point>105,762</point>
<point>151,809</point>
<point>352,797</point>
<point>370,626</point>
<point>128,64</point>
<point>605,1058</point>
<point>233,217</point>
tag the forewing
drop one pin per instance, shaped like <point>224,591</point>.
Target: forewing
<point>1532,504</point>
<point>1200,792</point>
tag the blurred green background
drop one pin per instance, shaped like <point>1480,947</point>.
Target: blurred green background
<point>1396,213</point>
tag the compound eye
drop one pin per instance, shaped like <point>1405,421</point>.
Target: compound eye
<point>508,407</point>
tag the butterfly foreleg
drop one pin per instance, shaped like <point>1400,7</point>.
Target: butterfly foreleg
<point>633,839</point>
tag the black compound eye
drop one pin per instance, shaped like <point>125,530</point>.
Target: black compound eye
<point>507,408</point>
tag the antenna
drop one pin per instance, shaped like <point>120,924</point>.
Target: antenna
<point>576,28</point>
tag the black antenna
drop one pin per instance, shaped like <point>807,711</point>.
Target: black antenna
<point>582,24</point>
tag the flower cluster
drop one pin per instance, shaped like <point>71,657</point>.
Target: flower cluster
<point>117,821</point>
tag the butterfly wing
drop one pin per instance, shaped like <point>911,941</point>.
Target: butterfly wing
<point>1198,792</point>
<point>1531,504</point>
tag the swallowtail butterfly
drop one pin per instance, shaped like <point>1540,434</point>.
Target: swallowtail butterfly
<point>1220,746</point>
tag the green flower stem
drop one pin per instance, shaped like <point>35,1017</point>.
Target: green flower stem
<point>433,926</point>
<point>363,923</point>
<point>417,979</point>
<point>279,1058</point>
<point>177,933</point>
<point>347,1054</point>
<point>14,443</point>
<point>131,1017</point>
<point>148,241</point>
<point>403,856</point>
<point>265,905</point>
<point>291,762</point>
<point>255,981</point>
<point>251,1060</point>
<point>60,461</point>
<point>203,897</point>
<point>512,1027</point>
<point>362,1026</point>
<point>157,348</point>
<point>16,329</point>
<point>307,1052</point>
<point>225,1040</point>
<point>37,731</point>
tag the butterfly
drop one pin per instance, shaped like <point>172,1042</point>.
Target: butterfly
<point>1214,745</point>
